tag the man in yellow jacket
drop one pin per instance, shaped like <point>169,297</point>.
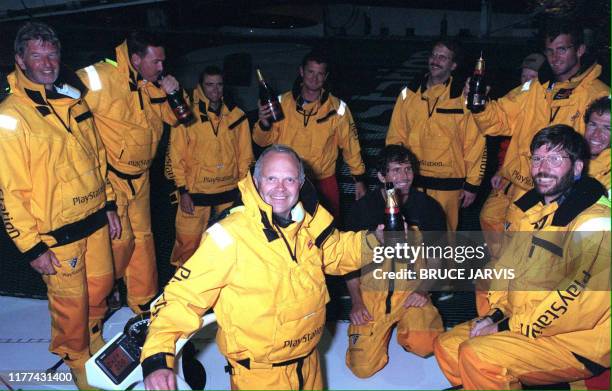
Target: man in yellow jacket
<point>56,204</point>
<point>208,158</point>
<point>130,109</point>
<point>551,323</point>
<point>429,118</point>
<point>597,135</point>
<point>521,115</point>
<point>261,270</point>
<point>316,124</point>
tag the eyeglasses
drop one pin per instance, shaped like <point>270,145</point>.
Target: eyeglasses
<point>561,50</point>
<point>553,160</point>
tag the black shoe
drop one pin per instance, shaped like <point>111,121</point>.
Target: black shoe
<point>114,299</point>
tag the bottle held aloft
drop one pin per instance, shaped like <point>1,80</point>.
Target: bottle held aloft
<point>393,217</point>
<point>268,98</point>
<point>476,99</point>
<point>179,106</point>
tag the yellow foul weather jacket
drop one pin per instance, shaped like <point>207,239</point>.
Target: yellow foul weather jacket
<point>53,188</point>
<point>433,123</point>
<point>522,115</point>
<point>129,112</point>
<point>212,154</point>
<point>265,283</point>
<point>560,254</point>
<point>315,131</point>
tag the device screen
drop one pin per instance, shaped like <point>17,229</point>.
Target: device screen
<point>117,361</point>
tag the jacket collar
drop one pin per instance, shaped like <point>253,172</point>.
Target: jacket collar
<point>125,66</point>
<point>585,75</point>
<point>296,91</point>
<point>302,213</point>
<point>420,84</point>
<point>585,192</point>
<point>37,94</point>
<point>202,103</point>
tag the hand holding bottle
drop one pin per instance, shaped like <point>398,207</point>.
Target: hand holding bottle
<point>264,113</point>
<point>268,98</point>
<point>476,97</point>
<point>169,84</point>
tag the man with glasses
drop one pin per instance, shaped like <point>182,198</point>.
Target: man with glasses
<point>559,101</point>
<point>372,317</point>
<point>429,118</point>
<point>551,323</point>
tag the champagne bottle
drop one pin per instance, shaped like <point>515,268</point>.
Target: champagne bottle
<point>181,109</point>
<point>393,217</point>
<point>476,100</point>
<point>269,98</point>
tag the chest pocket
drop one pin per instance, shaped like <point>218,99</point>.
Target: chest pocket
<point>81,184</point>
<point>300,321</point>
<point>545,267</point>
<point>218,166</point>
<point>138,148</point>
<point>432,140</point>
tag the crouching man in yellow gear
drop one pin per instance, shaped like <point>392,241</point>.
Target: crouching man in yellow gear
<point>551,323</point>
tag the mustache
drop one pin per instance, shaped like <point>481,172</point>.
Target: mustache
<point>544,175</point>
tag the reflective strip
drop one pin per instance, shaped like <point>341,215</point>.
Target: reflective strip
<point>94,79</point>
<point>605,201</point>
<point>221,237</point>
<point>7,122</point>
<point>404,93</point>
<point>596,224</point>
<point>526,85</point>
<point>342,108</point>
<point>112,62</point>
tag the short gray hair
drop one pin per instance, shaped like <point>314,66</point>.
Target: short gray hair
<point>35,31</point>
<point>279,148</point>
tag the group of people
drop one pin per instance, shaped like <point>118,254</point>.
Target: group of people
<point>75,153</point>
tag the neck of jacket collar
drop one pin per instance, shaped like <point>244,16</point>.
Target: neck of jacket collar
<point>257,208</point>
<point>420,84</point>
<point>585,192</point>
<point>296,91</point>
<point>125,65</point>
<point>21,85</point>
<point>200,100</point>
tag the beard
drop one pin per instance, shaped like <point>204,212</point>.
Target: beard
<point>563,183</point>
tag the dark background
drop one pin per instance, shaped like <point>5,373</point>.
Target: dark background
<point>356,63</point>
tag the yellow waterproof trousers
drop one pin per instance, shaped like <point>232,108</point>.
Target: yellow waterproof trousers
<point>77,297</point>
<point>504,360</point>
<point>189,229</point>
<point>417,327</point>
<point>301,374</point>
<point>134,251</point>
<point>450,203</point>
